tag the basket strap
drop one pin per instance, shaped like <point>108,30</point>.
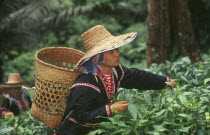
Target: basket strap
<point>28,88</point>
<point>115,72</point>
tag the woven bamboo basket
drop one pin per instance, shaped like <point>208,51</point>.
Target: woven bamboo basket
<point>53,79</point>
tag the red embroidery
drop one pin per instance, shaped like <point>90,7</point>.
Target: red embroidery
<point>108,110</point>
<point>73,120</point>
<point>22,105</point>
<point>108,81</point>
<point>86,84</point>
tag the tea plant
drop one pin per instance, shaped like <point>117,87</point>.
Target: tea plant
<point>23,125</point>
<point>178,111</point>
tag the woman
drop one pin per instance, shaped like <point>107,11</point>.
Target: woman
<point>15,99</point>
<point>101,75</point>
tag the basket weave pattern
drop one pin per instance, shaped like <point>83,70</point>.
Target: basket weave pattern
<point>53,80</point>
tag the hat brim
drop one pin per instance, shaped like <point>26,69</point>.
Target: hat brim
<point>112,43</point>
<point>10,85</point>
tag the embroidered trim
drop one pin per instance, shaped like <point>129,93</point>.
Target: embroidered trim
<point>108,110</point>
<point>73,120</point>
<point>107,91</point>
<point>121,76</point>
<point>86,84</point>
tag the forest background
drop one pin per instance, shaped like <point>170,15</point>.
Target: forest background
<point>26,26</point>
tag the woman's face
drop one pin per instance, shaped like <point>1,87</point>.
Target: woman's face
<point>15,91</point>
<point>111,58</point>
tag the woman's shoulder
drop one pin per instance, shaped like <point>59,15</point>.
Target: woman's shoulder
<point>85,78</point>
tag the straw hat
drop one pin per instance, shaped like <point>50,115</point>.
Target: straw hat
<point>97,40</point>
<point>14,80</point>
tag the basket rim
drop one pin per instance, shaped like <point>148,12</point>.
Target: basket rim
<point>51,48</point>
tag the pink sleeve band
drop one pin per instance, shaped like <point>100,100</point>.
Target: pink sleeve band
<point>3,113</point>
<point>108,110</point>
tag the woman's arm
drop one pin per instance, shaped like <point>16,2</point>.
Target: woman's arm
<point>143,80</point>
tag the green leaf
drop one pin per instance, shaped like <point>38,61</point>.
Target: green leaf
<point>186,59</point>
<point>189,117</point>
<point>195,81</point>
<point>6,130</point>
<point>159,128</point>
<point>98,131</point>
<point>184,129</point>
<point>184,78</point>
<point>107,124</point>
<point>133,111</point>
<point>118,131</point>
<point>160,113</point>
<point>188,93</point>
<point>206,80</point>
<point>183,99</point>
<point>148,98</point>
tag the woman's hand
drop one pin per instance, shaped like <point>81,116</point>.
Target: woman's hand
<point>120,106</point>
<point>172,82</point>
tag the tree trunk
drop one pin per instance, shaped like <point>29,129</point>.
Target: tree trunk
<point>158,24</point>
<point>183,31</point>
<point>169,23</point>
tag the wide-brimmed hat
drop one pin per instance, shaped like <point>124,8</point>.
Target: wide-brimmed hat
<point>98,40</point>
<point>14,80</point>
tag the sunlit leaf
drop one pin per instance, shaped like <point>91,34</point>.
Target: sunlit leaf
<point>159,128</point>
<point>206,80</point>
<point>189,117</point>
<point>133,111</point>
<point>184,129</point>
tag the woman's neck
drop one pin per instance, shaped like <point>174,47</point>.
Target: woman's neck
<point>106,69</point>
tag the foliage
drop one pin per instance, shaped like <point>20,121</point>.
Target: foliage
<point>24,31</point>
<point>59,23</point>
<point>182,110</point>
<point>137,55</point>
<point>23,64</point>
<point>23,125</point>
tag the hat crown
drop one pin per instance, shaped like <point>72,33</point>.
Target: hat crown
<point>14,78</point>
<point>92,37</point>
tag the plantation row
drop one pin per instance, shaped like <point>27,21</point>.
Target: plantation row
<point>179,111</point>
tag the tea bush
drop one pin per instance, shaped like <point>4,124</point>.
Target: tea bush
<point>23,125</point>
<point>178,111</point>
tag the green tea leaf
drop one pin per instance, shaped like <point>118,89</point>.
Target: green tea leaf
<point>160,113</point>
<point>184,129</point>
<point>98,131</point>
<point>206,80</point>
<point>159,128</point>
<point>6,130</point>
<point>189,117</point>
<point>183,99</point>
<point>133,111</point>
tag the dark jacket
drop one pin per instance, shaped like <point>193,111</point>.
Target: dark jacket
<point>16,104</point>
<point>88,98</point>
